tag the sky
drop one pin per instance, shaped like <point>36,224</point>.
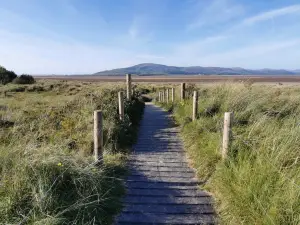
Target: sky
<point>87,36</point>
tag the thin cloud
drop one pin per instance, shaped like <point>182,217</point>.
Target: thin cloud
<point>217,12</point>
<point>138,32</point>
<point>250,52</point>
<point>194,47</point>
<point>133,31</point>
<point>69,7</point>
<point>30,54</point>
<point>272,14</point>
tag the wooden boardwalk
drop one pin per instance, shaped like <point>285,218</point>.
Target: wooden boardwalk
<point>162,188</point>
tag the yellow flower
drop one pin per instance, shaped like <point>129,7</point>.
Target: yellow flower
<point>60,164</point>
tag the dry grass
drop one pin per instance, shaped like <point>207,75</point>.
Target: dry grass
<point>259,183</point>
<point>47,174</point>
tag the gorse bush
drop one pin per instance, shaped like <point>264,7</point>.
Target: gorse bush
<point>47,169</point>
<point>259,182</point>
<point>24,79</point>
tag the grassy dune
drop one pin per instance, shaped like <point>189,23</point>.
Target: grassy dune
<point>259,183</point>
<point>47,175</point>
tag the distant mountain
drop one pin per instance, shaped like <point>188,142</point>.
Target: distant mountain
<point>157,69</point>
<point>296,71</point>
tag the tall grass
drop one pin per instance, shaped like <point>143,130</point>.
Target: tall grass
<point>259,183</point>
<point>47,174</point>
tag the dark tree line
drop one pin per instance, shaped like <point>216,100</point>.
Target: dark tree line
<point>7,76</point>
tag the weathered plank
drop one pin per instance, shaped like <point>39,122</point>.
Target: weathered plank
<point>159,218</point>
<point>161,187</point>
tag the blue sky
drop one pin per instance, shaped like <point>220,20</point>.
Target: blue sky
<point>86,36</point>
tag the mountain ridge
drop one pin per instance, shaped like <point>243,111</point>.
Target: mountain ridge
<point>159,69</point>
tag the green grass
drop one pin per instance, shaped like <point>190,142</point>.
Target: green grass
<point>259,183</point>
<point>47,174</point>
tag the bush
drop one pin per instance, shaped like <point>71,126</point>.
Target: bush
<point>24,79</point>
<point>6,76</point>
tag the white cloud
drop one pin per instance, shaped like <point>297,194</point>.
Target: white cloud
<point>43,51</point>
<point>198,47</point>
<point>69,7</point>
<point>133,32</point>
<point>280,54</point>
<point>272,14</point>
<point>217,12</point>
<point>28,54</point>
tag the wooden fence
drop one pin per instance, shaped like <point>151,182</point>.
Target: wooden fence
<point>228,116</point>
<point>98,121</point>
<point>163,97</point>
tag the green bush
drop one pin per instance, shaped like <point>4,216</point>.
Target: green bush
<point>6,76</point>
<point>24,79</point>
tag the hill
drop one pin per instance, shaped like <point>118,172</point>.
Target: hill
<point>158,69</point>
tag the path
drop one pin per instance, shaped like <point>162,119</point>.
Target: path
<point>162,188</point>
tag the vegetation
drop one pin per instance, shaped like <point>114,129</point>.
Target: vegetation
<point>6,76</point>
<point>47,172</point>
<point>259,183</point>
<point>24,79</point>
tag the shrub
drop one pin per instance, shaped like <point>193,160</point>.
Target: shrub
<point>6,76</point>
<point>24,79</point>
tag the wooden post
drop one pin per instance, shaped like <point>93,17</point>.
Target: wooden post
<point>98,135</point>
<point>167,95</point>
<point>226,133</point>
<point>121,105</point>
<point>173,94</point>
<point>163,95</point>
<point>182,91</point>
<point>128,83</point>
<point>195,105</point>
<point>158,96</point>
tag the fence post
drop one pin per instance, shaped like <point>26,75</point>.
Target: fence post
<point>228,117</point>
<point>173,94</point>
<point>163,95</point>
<point>98,135</point>
<point>195,105</point>
<point>158,96</point>
<point>167,95</point>
<point>128,83</point>
<point>121,105</point>
<point>182,91</point>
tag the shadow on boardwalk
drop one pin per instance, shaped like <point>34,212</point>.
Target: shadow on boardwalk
<point>161,188</point>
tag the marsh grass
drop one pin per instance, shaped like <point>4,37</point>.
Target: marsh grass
<point>47,174</point>
<point>259,183</point>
